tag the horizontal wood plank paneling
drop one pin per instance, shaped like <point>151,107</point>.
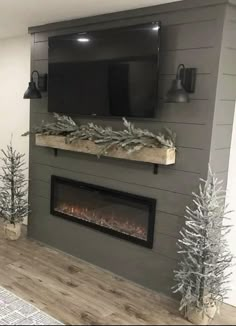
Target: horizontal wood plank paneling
<point>189,36</point>
<point>166,246</point>
<point>102,248</point>
<point>165,242</point>
<point>224,112</point>
<point>203,83</point>
<point>199,35</point>
<point>40,65</point>
<point>225,98</point>
<point>228,61</point>
<point>222,136</point>
<point>167,202</point>
<point>167,179</point>
<point>220,160</point>
<point>169,224</point>
<point>186,160</point>
<point>183,36</point>
<point>197,132</point>
<point>200,58</point>
<point>197,57</point>
<point>231,11</point>
<point>229,40</point>
<point>203,86</point>
<point>223,176</point>
<point>168,18</point>
<point>195,112</point>
<point>40,188</point>
<point>40,51</point>
<point>161,156</point>
<point>227,87</point>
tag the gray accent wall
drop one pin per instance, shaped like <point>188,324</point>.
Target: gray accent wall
<point>192,33</point>
<point>225,97</point>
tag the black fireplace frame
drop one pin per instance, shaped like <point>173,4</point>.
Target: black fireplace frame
<point>149,201</point>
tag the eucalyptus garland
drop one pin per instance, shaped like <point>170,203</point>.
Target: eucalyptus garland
<point>130,139</point>
<point>61,126</point>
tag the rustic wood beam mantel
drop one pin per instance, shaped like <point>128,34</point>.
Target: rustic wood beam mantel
<point>163,156</point>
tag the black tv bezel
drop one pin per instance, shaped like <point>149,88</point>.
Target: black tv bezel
<point>110,117</point>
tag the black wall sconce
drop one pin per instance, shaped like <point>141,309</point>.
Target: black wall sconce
<point>183,85</point>
<point>33,91</point>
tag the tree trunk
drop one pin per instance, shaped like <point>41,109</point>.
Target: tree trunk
<point>12,193</point>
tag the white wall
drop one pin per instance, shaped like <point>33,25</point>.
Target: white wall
<point>231,198</point>
<point>14,78</point>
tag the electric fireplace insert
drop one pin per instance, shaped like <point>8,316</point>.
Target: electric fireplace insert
<point>120,214</point>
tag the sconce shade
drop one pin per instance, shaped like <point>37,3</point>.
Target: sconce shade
<point>182,85</point>
<point>177,93</point>
<point>32,92</point>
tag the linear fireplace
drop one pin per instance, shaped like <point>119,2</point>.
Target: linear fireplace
<point>120,214</point>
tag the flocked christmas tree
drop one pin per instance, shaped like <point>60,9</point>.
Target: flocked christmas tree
<point>202,276</point>
<point>13,190</point>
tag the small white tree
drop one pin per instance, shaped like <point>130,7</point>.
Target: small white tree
<point>13,190</point>
<point>202,277</point>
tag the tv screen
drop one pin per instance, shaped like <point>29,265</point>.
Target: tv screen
<point>106,72</point>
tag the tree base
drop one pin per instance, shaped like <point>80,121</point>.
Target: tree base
<point>199,317</point>
<point>12,231</point>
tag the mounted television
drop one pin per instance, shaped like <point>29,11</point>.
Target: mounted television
<point>105,73</point>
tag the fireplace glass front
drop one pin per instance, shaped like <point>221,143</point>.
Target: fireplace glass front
<point>120,214</point>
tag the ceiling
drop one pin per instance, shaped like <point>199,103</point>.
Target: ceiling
<point>17,15</point>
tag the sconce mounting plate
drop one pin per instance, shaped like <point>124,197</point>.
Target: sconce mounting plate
<point>188,77</point>
<point>43,82</point>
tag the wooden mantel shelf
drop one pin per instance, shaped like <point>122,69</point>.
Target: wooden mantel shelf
<point>164,156</point>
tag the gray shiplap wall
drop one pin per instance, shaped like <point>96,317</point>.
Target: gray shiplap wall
<point>191,34</point>
<point>225,97</point>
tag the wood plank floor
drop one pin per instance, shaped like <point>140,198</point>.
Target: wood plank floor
<point>78,293</point>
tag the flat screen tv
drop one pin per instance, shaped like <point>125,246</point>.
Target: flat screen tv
<point>105,73</point>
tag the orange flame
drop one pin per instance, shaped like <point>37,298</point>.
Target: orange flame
<point>111,222</point>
